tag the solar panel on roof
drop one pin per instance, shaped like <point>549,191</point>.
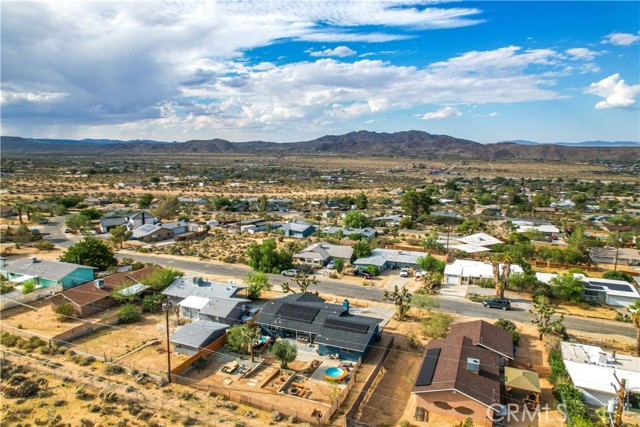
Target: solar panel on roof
<point>343,325</point>
<point>147,227</point>
<point>298,313</point>
<point>614,286</point>
<point>428,368</point>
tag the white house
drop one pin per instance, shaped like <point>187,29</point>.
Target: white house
<point>611,292</point>
<point>466,272</point>
<point>386,259</point>
<point>592,371</point>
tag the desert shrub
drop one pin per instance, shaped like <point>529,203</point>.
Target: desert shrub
<point>43,245</point>
<point>64,312</point>
<point>9,340</point>
<point>28,287</point>
<point>129,313</point>
<point>436,325</point>
<point>28,388</point>
<point>113,369</point>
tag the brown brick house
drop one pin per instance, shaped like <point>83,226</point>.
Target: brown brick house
<point>95,296</point>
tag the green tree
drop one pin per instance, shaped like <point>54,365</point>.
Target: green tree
<point>361,201</point>
<point>431,242</point>
<point>416,203</point>
<point>91,252</point>
<point>65,312</point>
<point>471,226</point>
<point>267,259</point>
<point>302,280</point>
<point>431,264</point>
<point>339,264</point>
<point>119,234</point>
<point>161,278</point>
<point>361,249</point>
<point>406,223</point>
<point>567,287</point>
<point>284,351</point>
<point>256,282</point>
<point>167,208</point>
<point>129,313</point>
<point>152,303</point>
<point>19,206</point>
<point>618,275</point>
<point>263,202</point>
<point>356,219</point>
<point>242,338</point>
<point>401,299</point>
<point>154,180</point>
<point>91,213</point>
<point>77,221</point>
<point>144,201</point>
<point>375,271</point>
<point>510,327</point>
<point>543,313</point>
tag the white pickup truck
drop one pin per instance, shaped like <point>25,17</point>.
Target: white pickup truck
<point>404,272</point>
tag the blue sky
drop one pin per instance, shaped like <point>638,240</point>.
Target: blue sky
<point>296,70</point>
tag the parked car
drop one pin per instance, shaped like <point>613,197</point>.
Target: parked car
<point>420,274</point>
<point>44,220</point>
<point>404,272</point>
<point>66,230</point>
<point>249,314</point>
<point>331,265</point>
<point>289,273</point>
<point>363,273</point>
<point>501,303</point>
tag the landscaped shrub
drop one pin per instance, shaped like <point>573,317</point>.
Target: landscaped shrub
<point>152,303</point>
<point>43,245</point>
<point>436,325</point>
<point>509,326</point>
<point>129,313</point>
<point>64,312</point>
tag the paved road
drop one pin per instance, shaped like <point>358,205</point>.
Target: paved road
<point>452,304</point>
<point>335,287</point>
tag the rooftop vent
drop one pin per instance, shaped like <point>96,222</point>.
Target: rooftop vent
<point>98,283</point>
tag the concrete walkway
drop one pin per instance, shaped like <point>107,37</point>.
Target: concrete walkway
<point>459,291</point>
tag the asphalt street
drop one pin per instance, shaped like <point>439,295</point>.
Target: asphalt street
<point>53,232</point>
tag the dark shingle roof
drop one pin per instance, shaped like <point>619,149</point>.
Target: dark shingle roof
<point>196,334</point>
<point>451,370</point>
<point>344,330</point>
<point>486,335</point>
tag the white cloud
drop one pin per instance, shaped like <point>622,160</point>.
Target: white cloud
<point>8,96</point>
<point>582,53</point>
<point>621,39</point>
<point>442,113</point>
<point>615,91</point>
<point>340,51</point>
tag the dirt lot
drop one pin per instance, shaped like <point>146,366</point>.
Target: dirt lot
<point>116,341</point>
<point>40,319</point>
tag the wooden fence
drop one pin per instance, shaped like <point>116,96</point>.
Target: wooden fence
<point>349,418</point>
<point>85,328</point>
<point>205,352</point>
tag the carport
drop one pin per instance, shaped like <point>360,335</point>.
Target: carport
<point>523,381</point>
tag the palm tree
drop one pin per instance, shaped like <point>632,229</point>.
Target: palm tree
<point>501,278</point>
<point>20,206</point>
<point>636,322</point>
<point>250,335</point>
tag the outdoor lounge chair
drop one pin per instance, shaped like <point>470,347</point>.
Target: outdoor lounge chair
<point>230,367</point>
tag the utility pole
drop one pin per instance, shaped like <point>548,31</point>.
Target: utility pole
<point>620,408</point>
<point>166,307</point>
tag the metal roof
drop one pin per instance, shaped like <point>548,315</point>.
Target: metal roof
<point>43,268</point>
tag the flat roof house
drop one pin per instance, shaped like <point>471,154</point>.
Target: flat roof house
<point>592,371</point>
<point>47,273</point>
<point>323,252</point>
<point>611,292</point>
<point>466,272</point>
<point>309,319</point>
<point>386,259</point>
<point>368,232</point>
<point>151,233</point>
<point>459,379</point>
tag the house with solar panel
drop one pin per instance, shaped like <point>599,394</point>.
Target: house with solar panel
<point>314,323</point>
<point>611,292</point>
<point>462,376</point>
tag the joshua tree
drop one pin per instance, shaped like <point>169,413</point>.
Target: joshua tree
<point>636,322</point>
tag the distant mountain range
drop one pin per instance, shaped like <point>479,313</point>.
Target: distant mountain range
<point>579,144</point>
<point>412,143</point>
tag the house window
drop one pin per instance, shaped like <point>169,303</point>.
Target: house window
<point>347,351</point>
<point>271,328</point>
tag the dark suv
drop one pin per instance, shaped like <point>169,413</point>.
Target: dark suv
<point>363,273</point>
<point>501,303</point>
